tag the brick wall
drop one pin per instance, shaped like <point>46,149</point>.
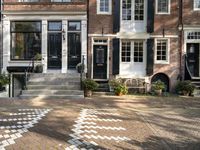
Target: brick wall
<point>69,7</point>
<point>171,69</point>
<point>97,22</point>
<point>190,17</point>
<point>169,21</point>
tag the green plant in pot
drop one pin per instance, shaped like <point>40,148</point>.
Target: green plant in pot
<point>80,67</point>
<point>158,87</point>
<point>120,89</point>
<point>39,67</point>
<point>4,80</point>
<point>89,86</point>
<point>184,88</point>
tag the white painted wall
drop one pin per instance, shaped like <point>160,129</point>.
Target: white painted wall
<point>133,69</point>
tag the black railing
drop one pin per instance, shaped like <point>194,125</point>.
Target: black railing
<point>82,71</point>
<point>29,69</point>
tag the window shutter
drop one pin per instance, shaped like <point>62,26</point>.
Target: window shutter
<point>116,58</point>
<point>150,16</point>
<point>116,16</point>
<point>150,56</point>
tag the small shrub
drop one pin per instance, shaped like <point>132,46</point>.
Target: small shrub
<point>121,89</point>
<point>90,84</point>
<point>158,85</point>
<point>184,87</point>
<point>4,80</point>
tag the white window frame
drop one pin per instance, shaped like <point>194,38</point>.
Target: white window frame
<point>132,42</point>
<point>195,8</point>
<point>167,53</point>
<point>109,8</point>
<point>163,13</point>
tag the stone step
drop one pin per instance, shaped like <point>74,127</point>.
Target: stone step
<point>52,75</point>
<point>52,96</point>
<point>52,92</point>
<point>196,93</point>
<point>54,87</point>
<point>54,82</point>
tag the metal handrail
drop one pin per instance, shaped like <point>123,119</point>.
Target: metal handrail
<point>82,71</point>
<point>187,67</point>
<point>32,62</point>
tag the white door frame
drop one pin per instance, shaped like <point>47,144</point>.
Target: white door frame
<point>108,53</point>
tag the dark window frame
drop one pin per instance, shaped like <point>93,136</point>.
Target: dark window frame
<point>79,21</point>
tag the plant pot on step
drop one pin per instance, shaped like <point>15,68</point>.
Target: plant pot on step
<point>87,93</point>
<point>158,92</point>
<point>185,93</point>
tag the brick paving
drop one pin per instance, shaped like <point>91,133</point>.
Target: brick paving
<point>128,123</point>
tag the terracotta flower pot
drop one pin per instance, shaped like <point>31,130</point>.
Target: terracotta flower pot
<point>185,93</point>
<point>158,92</point>
<point>87,93</point>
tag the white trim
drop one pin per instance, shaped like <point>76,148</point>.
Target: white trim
<point>168,52</point>
<point>102,35</point>
<point>163,13</point>
<point>194,8</point>
<point>104,13</point>
<point>108,54</point>
<point>166,36</point>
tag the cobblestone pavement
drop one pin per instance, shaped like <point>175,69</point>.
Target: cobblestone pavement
<point>128,123</point>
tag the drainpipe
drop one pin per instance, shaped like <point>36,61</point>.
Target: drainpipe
<point>87,36</point>
<point>1,53</point>
<point>180,25</point>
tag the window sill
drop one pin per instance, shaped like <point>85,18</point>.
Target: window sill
<point>161,63</point>
<point>163,13</point>
<point>103,13</point>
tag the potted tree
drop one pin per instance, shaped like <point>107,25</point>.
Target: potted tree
<point>89,86</point>
<point>158,87</point>
<point>4,80</point>
<point>185,88</point>
<point>39,67</point>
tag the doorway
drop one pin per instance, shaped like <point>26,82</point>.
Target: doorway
<point>54,50</point>
<point>100,61</point>
<point>193,58</point>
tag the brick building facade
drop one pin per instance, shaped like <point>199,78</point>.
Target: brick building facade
<point>135,39</point>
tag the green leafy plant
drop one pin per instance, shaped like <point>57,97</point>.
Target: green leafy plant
<point>90,84</point>
<point>184,87</point>
<point>121,90</point>
<point>4,80</point>
<point>38,56</point>
<point>158,85</point>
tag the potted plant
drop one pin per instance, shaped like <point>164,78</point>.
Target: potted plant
<point>158,87</point>
<point>114,83</point>
<point>185,88</point>
<point>4,80</point>
<point>120,89</point>
<point>89,86</point>
<point>80,67</point>
<point>39,67</point>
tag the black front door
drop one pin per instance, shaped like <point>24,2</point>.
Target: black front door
<point>74,50</point>
<point>100,62</point>
<point>54,50</point>
<point>193,58</point>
